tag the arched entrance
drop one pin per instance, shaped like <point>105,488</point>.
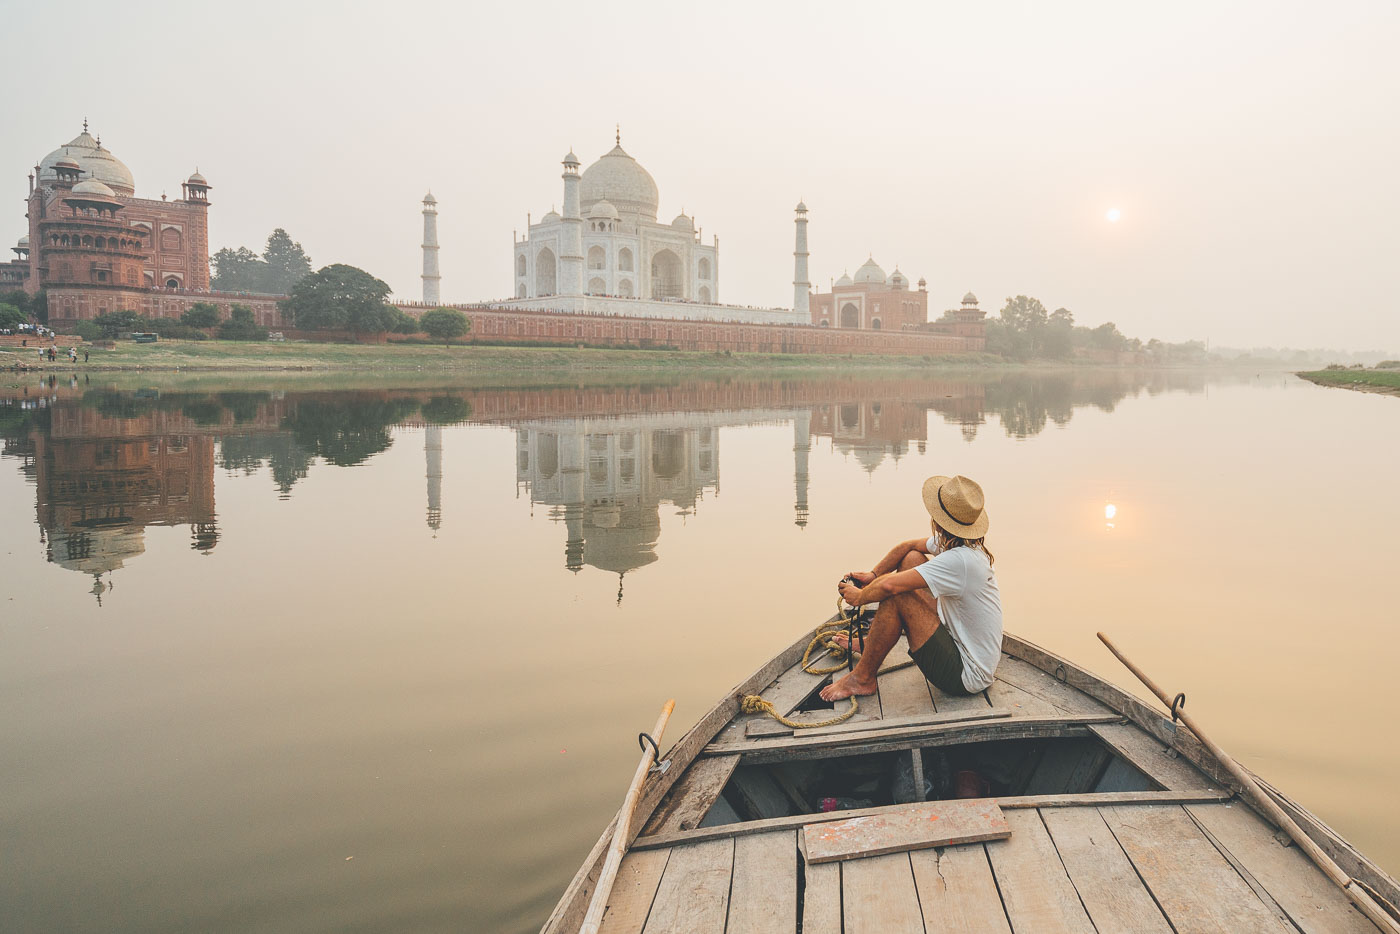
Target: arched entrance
<point>666,276</point>
<point>546,275</point>
<point>850,316</point>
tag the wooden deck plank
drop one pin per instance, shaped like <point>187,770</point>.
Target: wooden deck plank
<point>821,901</point>
<point>930,824</point>
<point>1147,753</point>
<point>878,896</point>
<point>690,798</point>
<point>790,688</point>
<point>957,891</point>
<point>1196,887</point>
<point>853,725</point>
<point>633,890</point>
<point>1010,802</point>
<point>904,693</point>
<point>1021,703</point>
<point>1046,686</point>
<point>1103,876</point>
<point>1309,898</point>
<point>694,892</point>
<point>763,897</point>
<point>948,703</point>
<point>1068,768</point>
<point>1033,883</point>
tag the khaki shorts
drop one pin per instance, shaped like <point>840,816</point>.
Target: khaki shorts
<point>941,662</point>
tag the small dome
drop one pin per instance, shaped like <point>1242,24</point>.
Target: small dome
<point>683,222</point>
<point>603,209</point>
<point>92,188</point>
<point>68,162</point>
<point>870,273</point>
<point>552,215</point>
<point>429,199</point>
<point>801,208</point>
<point>845,279</point>
<point>197,179</point>
<point>922,282</point>
<point>571,159</point>
<point>969,299</point>
<point>23,241</point>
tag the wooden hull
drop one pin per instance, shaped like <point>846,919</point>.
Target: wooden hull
<point>1175,850</point>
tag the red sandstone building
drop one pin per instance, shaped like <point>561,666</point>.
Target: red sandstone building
<point>871,301</point>
<point>95,247</point>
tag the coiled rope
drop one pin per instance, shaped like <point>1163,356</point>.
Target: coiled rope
<point>824,638</point>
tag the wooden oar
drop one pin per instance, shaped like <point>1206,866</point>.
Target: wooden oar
<point>623,834</point>
<point>1358,895</point>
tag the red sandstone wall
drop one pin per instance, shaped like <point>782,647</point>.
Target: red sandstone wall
<point>542,327</point>
<point>67,306</point>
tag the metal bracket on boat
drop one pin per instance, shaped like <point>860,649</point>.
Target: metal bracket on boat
<point>1061,675</point>
<point>1178,703</point>
<point>658,766</point>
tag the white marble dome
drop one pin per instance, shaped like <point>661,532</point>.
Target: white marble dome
<point>620,179</point>
<point>969,299</point>
<point>683,222</point>
<point>94,162</point>
<point>845,279</point>
<point>603,209</point>
<point>870,272</point>
<point>94,190</point>
<point>23,242</point>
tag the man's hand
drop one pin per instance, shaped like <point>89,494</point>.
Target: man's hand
<point>861,577</point>
<point>849,592</point>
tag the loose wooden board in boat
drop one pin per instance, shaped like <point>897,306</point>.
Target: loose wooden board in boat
<point>941,823</point>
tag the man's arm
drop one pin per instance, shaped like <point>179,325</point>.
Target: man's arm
<point>882,587</point>
<point>890,562</point>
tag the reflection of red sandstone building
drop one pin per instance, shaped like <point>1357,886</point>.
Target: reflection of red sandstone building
<point>871,301</point>
<point>96,247</point>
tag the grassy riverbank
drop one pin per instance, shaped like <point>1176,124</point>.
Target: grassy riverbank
<point>1383,381</point>
<point>233,356</point>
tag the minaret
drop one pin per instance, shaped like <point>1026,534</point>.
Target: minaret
<point>801,450</point>
<point>801,288</point>
<point>432,448</point>
<point>432,281</point>
<point>571,249</point>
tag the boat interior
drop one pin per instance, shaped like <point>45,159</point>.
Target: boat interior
<point>1053,801</point>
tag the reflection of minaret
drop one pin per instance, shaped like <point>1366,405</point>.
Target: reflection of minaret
<point>432,281</point>
<point>801,449</point>
<point>432,448</point>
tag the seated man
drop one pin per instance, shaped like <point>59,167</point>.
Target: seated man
<point>947,604</point>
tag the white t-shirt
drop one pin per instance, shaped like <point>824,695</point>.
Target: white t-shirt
<point>969,604</point>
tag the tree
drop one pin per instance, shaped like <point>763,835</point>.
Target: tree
<point>201,315</point>
<point>444,324</point>
<point>1025,320</point>
<point>12,317</point>
<point>404,323</point>
<point>241,326</point>
<point>238,270</point>
<point>116,323</point>
<point>339,297</point>
<point>286,262</point>
<point>1107,337</point>
<point>1059,334</point>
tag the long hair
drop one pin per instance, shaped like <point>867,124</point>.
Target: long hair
<point>948,540</point>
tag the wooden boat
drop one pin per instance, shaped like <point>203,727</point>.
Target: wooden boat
<point>1092,812</point>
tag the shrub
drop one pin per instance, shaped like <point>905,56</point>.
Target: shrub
<point>241,327</point>
<point>444,324</point>
<point>201,315</point>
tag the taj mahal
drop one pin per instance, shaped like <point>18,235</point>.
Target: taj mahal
<point>608,253</point>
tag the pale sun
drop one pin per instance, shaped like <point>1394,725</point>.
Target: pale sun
<point>1113,215</point>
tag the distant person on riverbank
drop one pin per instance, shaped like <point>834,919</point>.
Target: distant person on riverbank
<point>940,592</point>
<point>85,355</point>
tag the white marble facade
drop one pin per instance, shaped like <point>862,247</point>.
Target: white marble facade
<point>624,252</point>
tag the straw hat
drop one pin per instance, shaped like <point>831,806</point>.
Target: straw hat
<point>955,503</point>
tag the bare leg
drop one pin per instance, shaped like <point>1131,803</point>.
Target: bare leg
<point>914,614</point>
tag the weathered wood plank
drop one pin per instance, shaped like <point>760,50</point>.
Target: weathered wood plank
<point>947,703</point>
<point>937,823</point>
<point>694,892</point>
<point>1012,802</point>
<point>1068,768</point>
<point>1145,716</point>
<point>756,791</point>
<point>1310,899</point>
<point>686,804</point>
<point>863,726</point>
<point>878,896</point>
<point>763,897</point>
<point>1034,886</point>
<point>1144,752</point>
<point>821,900</point>
<point>904,693</point>
<point>884,739</point>
<point>633,890</point>
<point>957,891</point>
<point>1046,686</point>
<point>1103,876</point>
<point>1020,703</point>
<point>1196,887</point>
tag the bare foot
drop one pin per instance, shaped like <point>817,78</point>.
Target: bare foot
<point>840,690</point>
<point>842,640</point>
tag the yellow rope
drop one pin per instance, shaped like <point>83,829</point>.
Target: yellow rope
<point>752,703</point>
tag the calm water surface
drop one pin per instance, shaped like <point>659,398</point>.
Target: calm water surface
<point>375,659</point>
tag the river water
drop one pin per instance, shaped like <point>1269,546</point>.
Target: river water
<point>339,658</point>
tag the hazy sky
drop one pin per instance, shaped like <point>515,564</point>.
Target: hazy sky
<point>1252,148</point>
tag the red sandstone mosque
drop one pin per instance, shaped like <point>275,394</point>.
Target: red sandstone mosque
<point>95,247</point>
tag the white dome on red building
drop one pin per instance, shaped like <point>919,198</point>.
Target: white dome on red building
<point>92,160</point>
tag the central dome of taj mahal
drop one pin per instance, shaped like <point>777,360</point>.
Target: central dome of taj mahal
<point>621,180</point>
